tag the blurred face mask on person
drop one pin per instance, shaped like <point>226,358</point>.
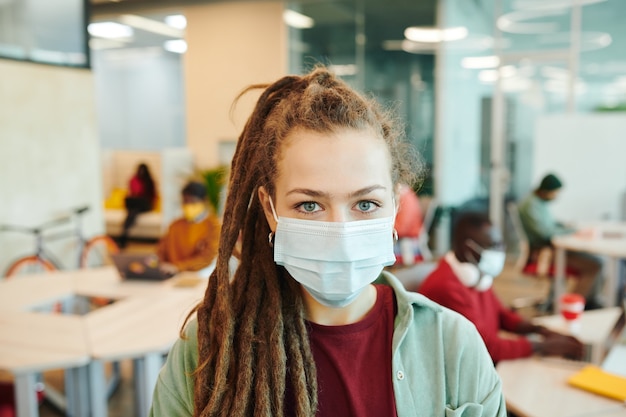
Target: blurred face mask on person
<point>333,212</point>
<point>194,208</point>
<point>488,251</point>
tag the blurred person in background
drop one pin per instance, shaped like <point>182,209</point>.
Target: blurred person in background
<point>140,198</point>
<point>463,282</point>
<point>190,243</point>
<point>540,227</point>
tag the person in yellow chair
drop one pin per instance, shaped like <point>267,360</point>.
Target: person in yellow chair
<point>190,243</point>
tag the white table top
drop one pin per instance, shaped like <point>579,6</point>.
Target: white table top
<point>535,387</point>
<point>26,293</point>
<point>595,325</point>
<point>608,239</point>
<point>39,341</point>
<point>146,317</point>
<point>140,324</point>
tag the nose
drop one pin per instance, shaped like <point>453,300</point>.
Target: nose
<point>338,215</point>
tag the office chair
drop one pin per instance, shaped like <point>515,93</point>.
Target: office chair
<point>540,266</point>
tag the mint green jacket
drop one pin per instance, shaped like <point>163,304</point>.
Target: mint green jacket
<point>440,365</point>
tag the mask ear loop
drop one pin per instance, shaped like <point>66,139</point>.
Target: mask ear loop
<point>395,232</point>
<point>474,245</point>
<point>270,237</point>
<point>478,249</point>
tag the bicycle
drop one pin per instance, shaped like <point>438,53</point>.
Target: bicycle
<point>92,252</point>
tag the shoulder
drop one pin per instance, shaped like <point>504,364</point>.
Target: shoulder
<point>173,394</point>
<point>457,357</point>
<point>441,279</point>
<point>418,314</point>
<point>178,223</point>
<point>212,221</point>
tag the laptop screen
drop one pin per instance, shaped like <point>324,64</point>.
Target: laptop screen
<point>139,266</point>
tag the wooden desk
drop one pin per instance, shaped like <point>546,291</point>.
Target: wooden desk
<point>538,388</point>
<point>609,241</point>
<point>141,325</point>
<point>595,328</point>
<point>141,328</point>
<point>31,343</point>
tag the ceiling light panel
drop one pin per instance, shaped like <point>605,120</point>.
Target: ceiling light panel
<point>297,20</point>
<point>110,30</point>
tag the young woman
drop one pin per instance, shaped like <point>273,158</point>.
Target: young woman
<point>300,330</point>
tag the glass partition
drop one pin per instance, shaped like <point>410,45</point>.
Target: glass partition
<point>362,41</point>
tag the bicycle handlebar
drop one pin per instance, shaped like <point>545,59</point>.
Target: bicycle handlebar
<point>81,210</point>
<point>39,229</point>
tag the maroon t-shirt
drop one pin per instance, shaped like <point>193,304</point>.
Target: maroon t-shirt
<point>354,363</point>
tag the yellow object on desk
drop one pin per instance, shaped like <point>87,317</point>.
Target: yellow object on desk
<point>598,381</point>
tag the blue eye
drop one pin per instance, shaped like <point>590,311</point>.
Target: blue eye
<point>309,206</point>
<point>366,206</point>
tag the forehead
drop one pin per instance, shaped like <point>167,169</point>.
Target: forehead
<point>487,235</point>
<point>333,160</point>
<point>189,198</point>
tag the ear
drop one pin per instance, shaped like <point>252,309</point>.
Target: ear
<point>264,199</point>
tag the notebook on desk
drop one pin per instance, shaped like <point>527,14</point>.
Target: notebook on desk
<point>139,267</point>
<point>594,379</point>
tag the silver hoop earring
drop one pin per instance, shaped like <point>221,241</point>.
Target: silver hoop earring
<point>270,238</point>
<point>395,235</point>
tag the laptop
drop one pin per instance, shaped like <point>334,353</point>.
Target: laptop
<point>140,267</point>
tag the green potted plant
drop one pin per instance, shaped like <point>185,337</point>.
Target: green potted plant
<point>215,180</point>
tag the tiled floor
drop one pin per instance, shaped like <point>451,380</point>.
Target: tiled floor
<point>510,285</point>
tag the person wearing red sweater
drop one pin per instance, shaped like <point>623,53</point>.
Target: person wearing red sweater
<point>462,282</point>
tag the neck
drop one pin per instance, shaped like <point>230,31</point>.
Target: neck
<point>329,316</point>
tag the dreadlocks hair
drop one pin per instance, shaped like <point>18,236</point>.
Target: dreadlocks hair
<point>252,338</point>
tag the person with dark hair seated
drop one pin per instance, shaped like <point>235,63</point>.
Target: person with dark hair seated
<point>462,282</point>
<point>540,227</point>
<point>191,241</point>
<point>141,198</point>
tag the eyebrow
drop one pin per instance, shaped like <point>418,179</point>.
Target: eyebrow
<point>315,193</point>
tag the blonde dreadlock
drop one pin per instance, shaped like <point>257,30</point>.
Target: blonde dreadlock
<point>248,328</point>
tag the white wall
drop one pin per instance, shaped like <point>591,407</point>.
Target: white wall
<point>588,152</point>
<point>49,154</point>
<point>231,45</point>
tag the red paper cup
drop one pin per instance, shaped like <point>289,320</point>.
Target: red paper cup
<point>572,306</point>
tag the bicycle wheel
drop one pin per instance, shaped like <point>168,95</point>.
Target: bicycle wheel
<point>98,251</point>
<point>29,265</point>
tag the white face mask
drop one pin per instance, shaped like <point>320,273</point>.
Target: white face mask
<point>334,261</point>
<point>491,260</point>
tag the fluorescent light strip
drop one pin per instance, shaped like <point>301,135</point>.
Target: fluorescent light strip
<point>109,30</point>
<point>435,35</point>
<point>178,46</point>
<point>480,62</point>
<point>297,20</point>
<point>150,25</point>
<point>177,21</point>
